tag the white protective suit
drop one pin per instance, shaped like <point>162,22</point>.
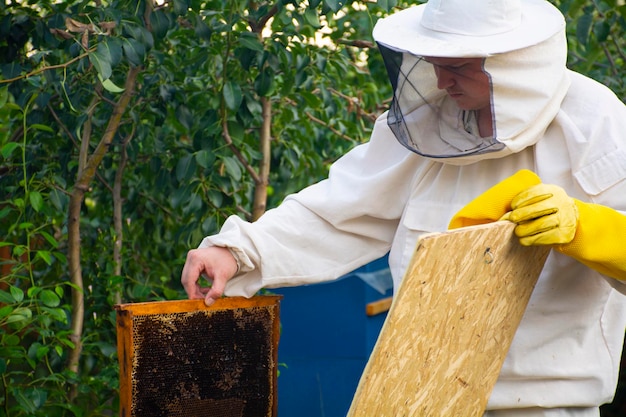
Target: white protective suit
<point>380,197</point>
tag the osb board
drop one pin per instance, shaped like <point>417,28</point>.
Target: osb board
<point>184,359</point>
<point>450,325</point>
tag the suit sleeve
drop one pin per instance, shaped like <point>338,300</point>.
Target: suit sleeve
<point>329,228</point>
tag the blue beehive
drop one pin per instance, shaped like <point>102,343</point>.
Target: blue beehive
<point>326,340</point>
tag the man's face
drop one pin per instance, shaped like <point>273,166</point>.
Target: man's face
<point>464,80</point>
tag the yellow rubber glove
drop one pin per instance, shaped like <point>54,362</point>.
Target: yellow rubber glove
<point>590,233</point>
<point>599,241</point>
<point>545,215</point>
<point>494,203</point>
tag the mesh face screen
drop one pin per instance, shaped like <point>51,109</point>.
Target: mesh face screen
<point>422,116</point>
<point>203,363</point>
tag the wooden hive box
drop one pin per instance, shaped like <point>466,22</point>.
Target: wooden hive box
<point>183,359</point>
<point>450,325</point>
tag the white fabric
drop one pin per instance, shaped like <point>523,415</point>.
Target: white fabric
<point>543,412</point>
<point>458,28</point>
<point>483,18</point>
<point>526,92</point>
<point>380,196</point>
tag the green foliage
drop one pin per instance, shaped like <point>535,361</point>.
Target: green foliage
<point>204,69</point>
<point>597,42</point>
<point>204,65</point>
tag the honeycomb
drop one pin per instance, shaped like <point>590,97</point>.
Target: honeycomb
<point>204,363</point>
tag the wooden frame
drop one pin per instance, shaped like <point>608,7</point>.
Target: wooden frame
<point>450,325</point>
<point>172,337</point>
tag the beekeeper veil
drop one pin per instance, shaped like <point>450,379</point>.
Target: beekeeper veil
<point>521,47</point>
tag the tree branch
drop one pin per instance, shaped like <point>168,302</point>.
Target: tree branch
<point>51,67</point>
<point>85,176</point>
<point>260,189</point>
<point>229,141</point>
<point>118,203</point>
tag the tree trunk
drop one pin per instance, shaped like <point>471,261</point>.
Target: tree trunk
<point>118,224</point>
<point>85,176</point>
<point>260,191</point>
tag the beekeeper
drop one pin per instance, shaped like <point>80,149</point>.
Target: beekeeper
<point>486,121</point>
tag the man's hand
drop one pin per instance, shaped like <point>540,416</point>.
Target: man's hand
<point>545,215</point>
<point>216,263</point>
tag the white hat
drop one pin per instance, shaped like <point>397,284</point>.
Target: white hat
<point>469,28</point>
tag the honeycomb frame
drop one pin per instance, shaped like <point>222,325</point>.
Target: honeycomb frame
<point>184,359</point>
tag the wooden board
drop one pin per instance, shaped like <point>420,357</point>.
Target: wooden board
<point>184,359</point>
<point>450,325</point>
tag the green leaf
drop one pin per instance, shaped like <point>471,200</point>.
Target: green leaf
<point>232,95</point>
<point>101,60</point>
<point>179,195</point>
<point>140,33</point>
<point>6,298</point>
<point>386,5</point>
<point>264,83</point>
<point>5,311</point>
<point>57,314</point>
<point>58,199</point>
<point>181,7</point>
<point>42,351</point>
<point>216,198</point>
<point>31,399</point>
<point>302,61</point>
<point>110,86</point>
<point>134,51</point>
<point>49,298</point>
<point>33,291</point>
<point>194,204</point>
<point>140,291</point>
<point>602,30</point>
<point>203,31</point>
<point>114,46</point>
<point>204,158</point>
<point>20,314</point>
<point>312,18</point>
<point>170,294</point>
<point>10,340</point>
<point>233,169</point>
<point>67,342</point>
<point>3,213</point>
<point>36,201</point>
<point>583,28</point>
<point>335,5</point>
<point>160,23</point>
<point>19,250</point>
<point>8,148</point>
<point>49,238</point>
<point>60,257</point>
<point>17,294</point>
<point>45,128</point>
<point>312,100</point>
<point>45,256</point>
<point>251,41</point>
<point>184,116</point>
<point>4,95</point>
<point>25,225</point>
<point>33,349</point>
<point>12,106</point>
<point>236,132</point>
<point>186,168</point>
